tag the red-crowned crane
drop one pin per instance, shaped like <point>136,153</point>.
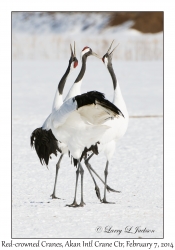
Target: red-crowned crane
<point>44,139</point>
<point>74,90</point>
<point>58,101</point>
<point>117,126</point>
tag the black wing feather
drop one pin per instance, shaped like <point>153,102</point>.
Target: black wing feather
<point>94,96</point>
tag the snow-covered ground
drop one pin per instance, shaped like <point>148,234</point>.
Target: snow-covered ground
<point>136,168</point>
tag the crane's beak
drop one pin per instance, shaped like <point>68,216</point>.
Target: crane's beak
<point>114,49</point>
<point>74,49</point>
<point>72,54</point>
<point>109,52</point>
<point>110,47</point>
<point>94,54</point>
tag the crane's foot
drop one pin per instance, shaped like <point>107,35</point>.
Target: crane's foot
<point>112,190</point>
<point>82,204</point>
<point>54,197</point>
<point>106,202</point>
<point>98,192</point>
<point>74,204</point>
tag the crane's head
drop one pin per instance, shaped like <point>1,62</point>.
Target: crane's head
<point>87,51</point>
<point>73,60</point>
<point>107,58</point>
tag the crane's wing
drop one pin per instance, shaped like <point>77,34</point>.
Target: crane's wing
<point>91,106</point>
<point>79,123</point>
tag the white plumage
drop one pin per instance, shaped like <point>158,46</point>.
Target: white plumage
<point>79,124</point>
<point>68,124</point>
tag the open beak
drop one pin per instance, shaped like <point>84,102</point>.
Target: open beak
<point>73,53</point>
<point>114,48</point>
<point>74,49</point>
<point>109,50</point>
<point>110,47</point>
<point>71,50</point>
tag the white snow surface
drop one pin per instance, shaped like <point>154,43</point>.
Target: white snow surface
<point>136,168</point>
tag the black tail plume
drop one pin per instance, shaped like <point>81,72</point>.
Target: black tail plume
<point>92,97</point>
<point>44,143</point>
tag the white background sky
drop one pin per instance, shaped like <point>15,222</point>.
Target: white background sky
<point>5,93</point>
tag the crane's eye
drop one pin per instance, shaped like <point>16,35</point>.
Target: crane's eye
<point>103,59</point>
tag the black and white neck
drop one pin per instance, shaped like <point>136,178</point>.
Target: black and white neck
<point>117,98</point>
<point>76,87</point>
<point>58,100</point>
<point>108,63</point>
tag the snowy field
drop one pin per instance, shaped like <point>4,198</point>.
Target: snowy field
<point>136,168</point>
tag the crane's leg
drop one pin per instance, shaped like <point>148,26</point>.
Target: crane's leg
<point>82,174</point>
<point>106,174</point>
<point>74,204</point>
<point>56,175</point>
<point>91,169</point>
<point>96,186</point>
